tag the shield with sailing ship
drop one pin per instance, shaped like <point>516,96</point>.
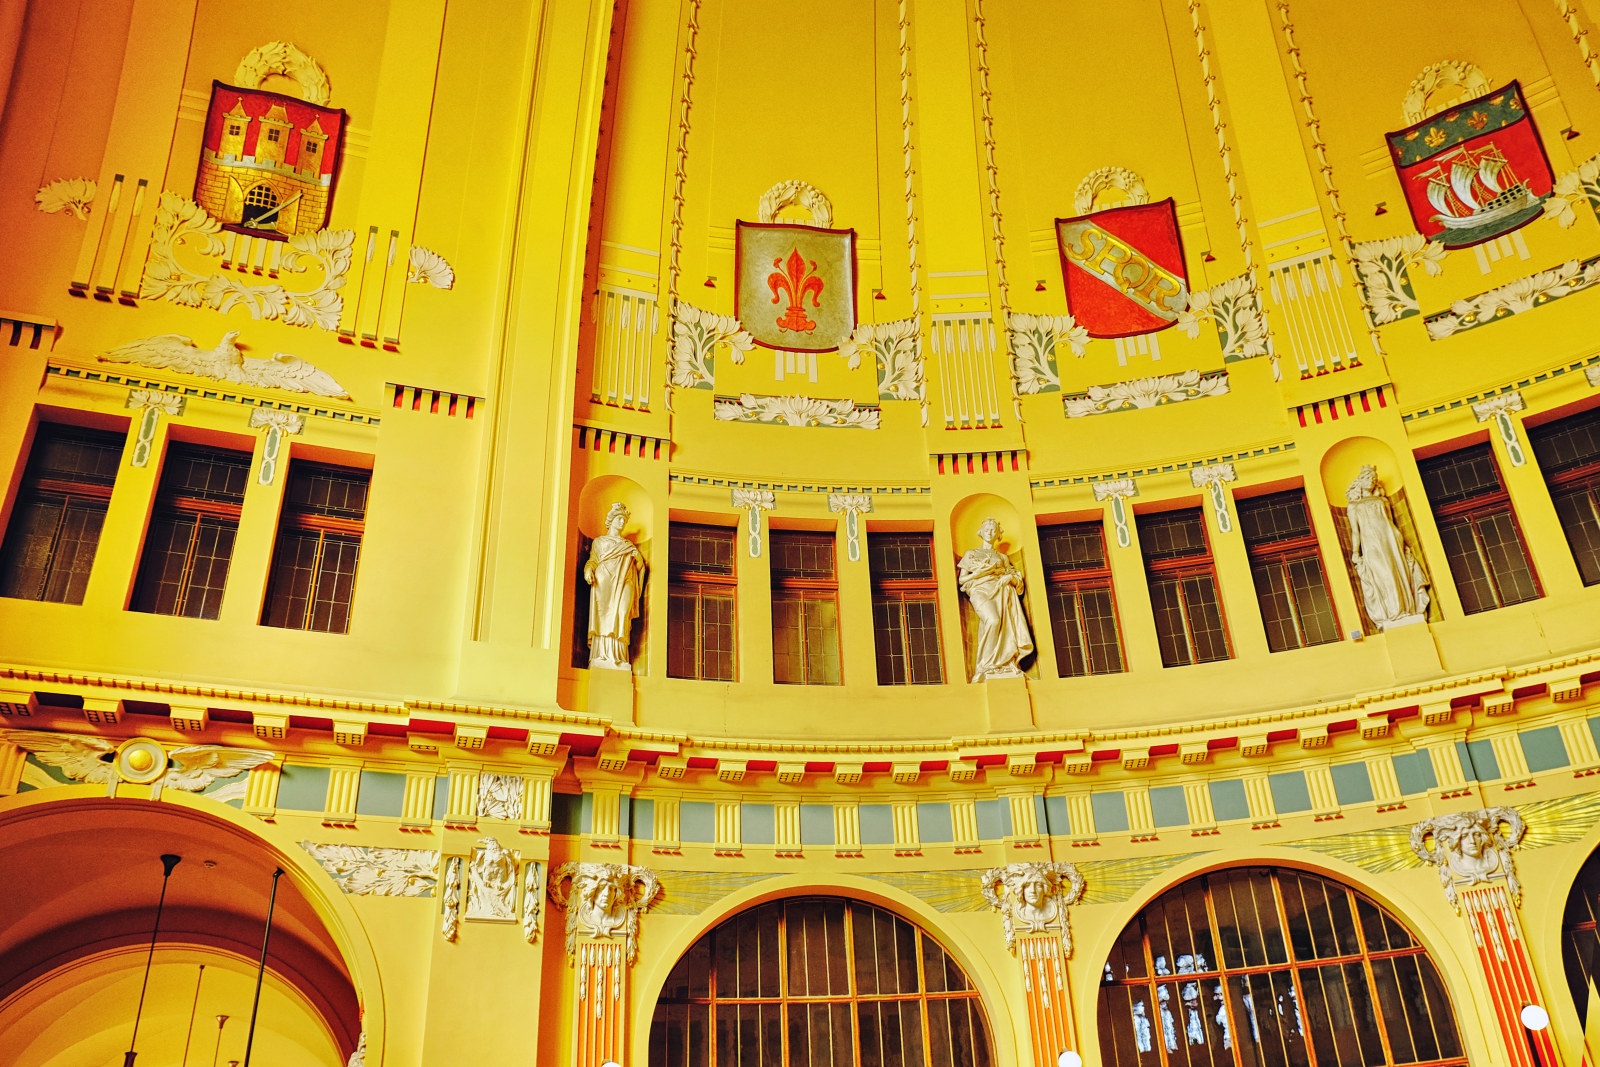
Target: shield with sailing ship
<point>1123,269</point>
<point>795,286</point>
<point>1474,171</point>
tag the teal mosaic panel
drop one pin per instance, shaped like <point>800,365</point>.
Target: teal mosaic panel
<point>1041,818</point>
<point>1167,806</point>
<point>1228,801</point>
<point>994,819</point>
<point>382,793</point>
<point>303,788</point>
<point>441,797</point>
<point>644,819</point>
<point>758,824</point>
<point>697,821</point>
<point>566,813</point>
<point>1414,772</point>
<point>586,813</point>
<point>1110,812</point>
<point>816,824</point>
<point>1544,749</point>
<point>877,824</point>
<point>625,817</point>
<point>935,823</point>
<point>1055,816</point>
<point>1289,792</point>
<point>1351,783</point>
<point>1477,759</point>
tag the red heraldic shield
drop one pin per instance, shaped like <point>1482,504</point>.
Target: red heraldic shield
<point>1474,171</point>
<point>1124,269</point>
<point>268,162</point>
<point>795,286</point>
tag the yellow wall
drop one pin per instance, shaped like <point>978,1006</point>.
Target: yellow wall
<point>574,161</point>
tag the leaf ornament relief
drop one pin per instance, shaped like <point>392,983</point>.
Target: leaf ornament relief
<point>385,872</point>
<point>1582,182</point>
<point>1234,306</point>
<point>1514,298</point>
<point>1385,283</point>
<point>897,350</point>
<point>1145,393</point>
<point>797,411</point>
<point>696,333</point>
<point>181,222</point>
<point>72,195</point>
<point>1034,341</point>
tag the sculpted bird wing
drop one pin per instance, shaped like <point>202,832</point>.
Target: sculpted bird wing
<point>77,757</point>
<point>294,374</point>
<point>196,766</point>
<point>169,351</point>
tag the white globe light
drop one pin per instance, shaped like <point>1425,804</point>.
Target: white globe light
<point>611,1063</point>
<point>1069,1058</point>
<point>1535,1017</point>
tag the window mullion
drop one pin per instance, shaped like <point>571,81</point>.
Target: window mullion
<point>1482,550</point>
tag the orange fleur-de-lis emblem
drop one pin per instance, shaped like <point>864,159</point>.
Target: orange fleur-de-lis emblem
<point>796,278</point>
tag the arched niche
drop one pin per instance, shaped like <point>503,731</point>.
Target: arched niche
<point>84,918</point>
<point>966,518</point>
<point>1268,966</point>
<point>785,976</point>
<point>1342,462</point>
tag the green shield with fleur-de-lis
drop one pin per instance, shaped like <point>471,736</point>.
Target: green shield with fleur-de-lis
<point>796,285</point>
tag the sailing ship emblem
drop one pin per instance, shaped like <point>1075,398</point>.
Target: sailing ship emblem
<point>1475,171</point>
<point>795,286</point>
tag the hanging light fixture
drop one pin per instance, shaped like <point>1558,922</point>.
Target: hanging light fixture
<point>261,971</point>
<point>194,1009</point>
<point>168,861</point>
<point>222,1020</point>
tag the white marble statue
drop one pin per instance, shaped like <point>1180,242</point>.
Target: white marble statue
<point>993,585</point>
<point>616,571</point>
<point>1394,587</point>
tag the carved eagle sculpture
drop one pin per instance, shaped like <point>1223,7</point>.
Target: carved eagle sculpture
<point>225,363</point>
<point>93,759</point>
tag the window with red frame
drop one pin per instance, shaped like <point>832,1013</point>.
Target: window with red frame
<point>905,608</point>
<point>190,543</point>
<point>1183,588</point>
<point>1568,451</point>
<point>1482,543</point>
<point>1291,586</point>
<point>55,527</point>
<point>805,609</point>
<point>700,603</point>
<point>313,579</point>
<point>1083,605</point>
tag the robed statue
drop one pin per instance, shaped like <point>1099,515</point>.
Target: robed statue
<point>1394,587</point>
<point>615,570</point>
<point>993,586</point>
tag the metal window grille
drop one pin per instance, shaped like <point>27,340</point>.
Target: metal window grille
<point>184,566</point>
<point>1183,588</point>
<point>805,609</point>
<point>1482,543</point>
<point>1291,586</point>
<point>54,531</point>
<point>905,609</point>
<point>701,618</point>
<point>1083,605</point>
<point>312,584</point>
<point>1568,451</point>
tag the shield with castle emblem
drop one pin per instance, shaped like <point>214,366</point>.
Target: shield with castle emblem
<point>268,162</point>
<point>1474,171</point>
<point>795,286</point>
<point>1123,269</point>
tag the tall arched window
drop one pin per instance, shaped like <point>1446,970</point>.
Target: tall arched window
<point>818,982</point>
<point>1580,938</point>
<point>1261,967</point>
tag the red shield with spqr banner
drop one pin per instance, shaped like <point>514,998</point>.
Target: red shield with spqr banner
<point>1123,269</point>
<point>795,286</point>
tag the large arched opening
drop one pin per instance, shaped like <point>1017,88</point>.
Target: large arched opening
<point>820,981</point>
<point>75,937</point>
<point>1267,966</point>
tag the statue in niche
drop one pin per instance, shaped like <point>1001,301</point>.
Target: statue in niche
<point>1032,898</point>
<point>993,586</point>
<point>1394,587</point>
<point>603,900</point>
<point>616,571</point>
<point>1469,848</point>
<point>492,882</point>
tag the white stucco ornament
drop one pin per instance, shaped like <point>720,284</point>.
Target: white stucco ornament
<point>1471,848</point>
<point>1032,898</point>
<point>604,901</point>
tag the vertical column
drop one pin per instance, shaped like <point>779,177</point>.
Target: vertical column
<point>753,568</point>
<point>603,902</point>
<point>1127,573</point>
<point>847,828</point>
<point>1473,852</point>
<point>1530,497</point>
<point>858,651</point>
<point>1032,899</point>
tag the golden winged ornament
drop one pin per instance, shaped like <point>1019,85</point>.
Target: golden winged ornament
<point>226,363</point>
<point>92,760</point>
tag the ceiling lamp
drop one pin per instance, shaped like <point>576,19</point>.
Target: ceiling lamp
<point>168,861</point>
